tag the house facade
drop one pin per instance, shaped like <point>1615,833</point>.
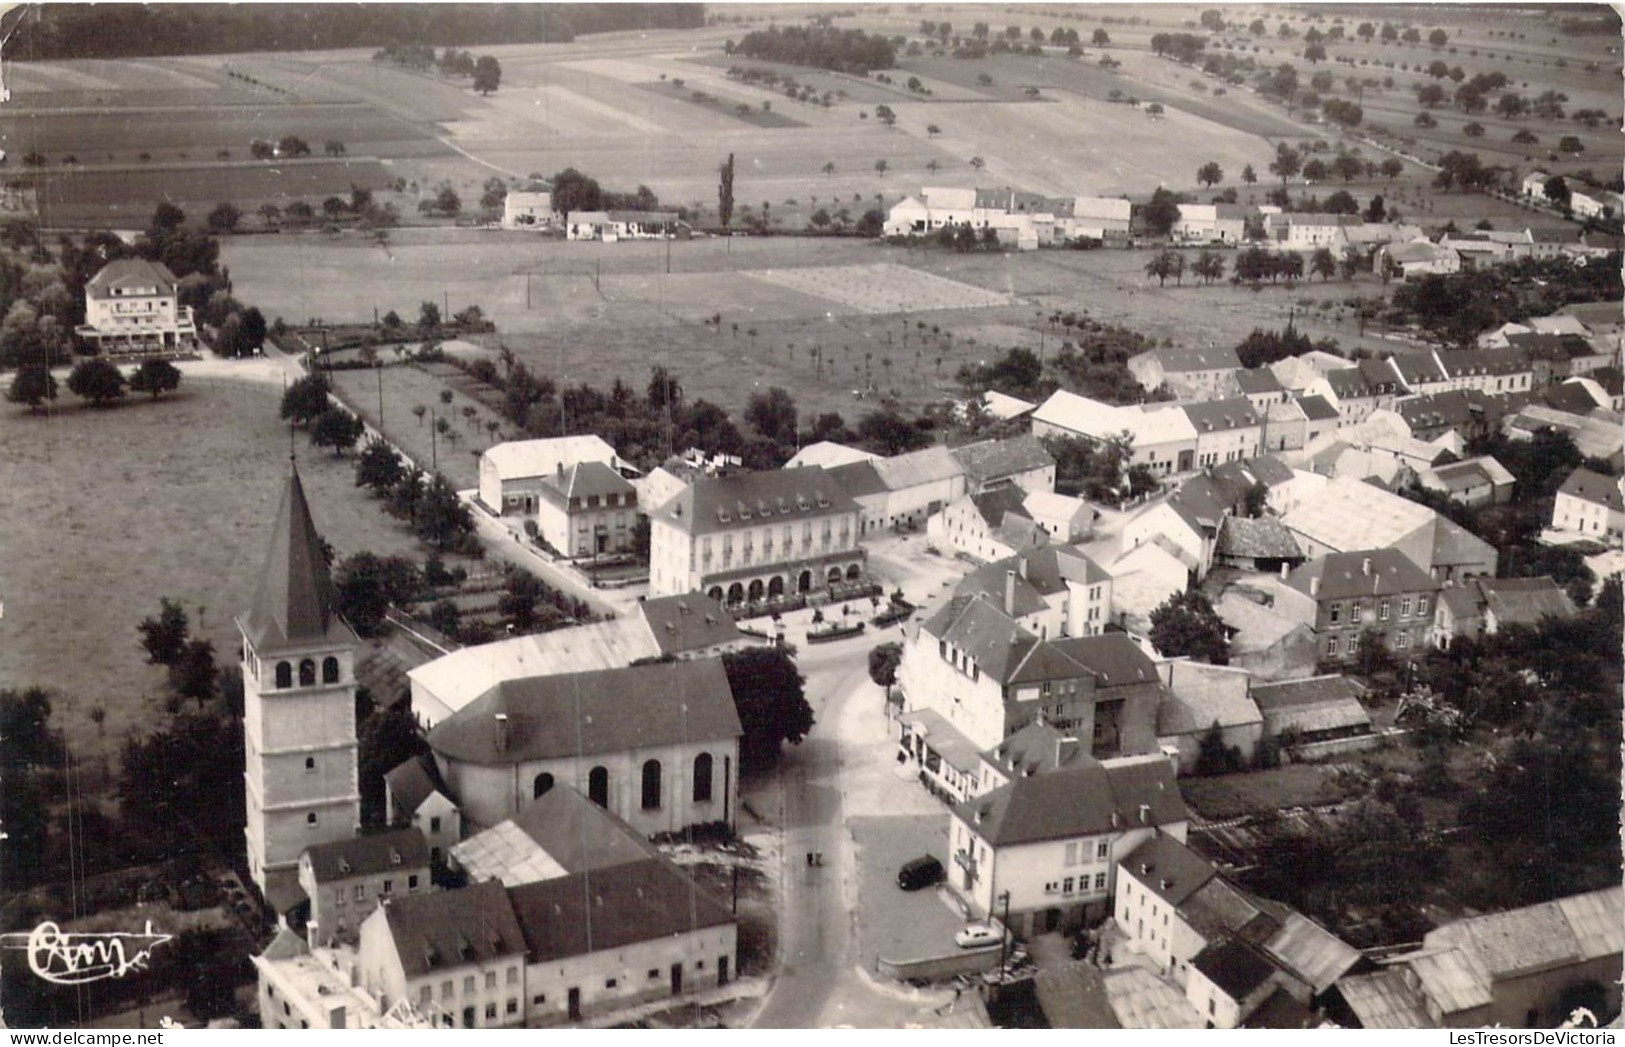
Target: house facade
<point>347,880</point>
<point>1590,504</point>
<point>512,474</point>
<point>1342,595</point>
<point>1053,841</point>
<point>756,536</point>
<point>528,209</point>
<point>133,305</point>
<point>1190,372</point>
<point>1227,430</point>
<point>588,509</point>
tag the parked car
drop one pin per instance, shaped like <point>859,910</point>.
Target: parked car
<point>976,936</point>
<point>919,872</point>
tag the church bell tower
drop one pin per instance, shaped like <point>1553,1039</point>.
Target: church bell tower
<point>299,706</point>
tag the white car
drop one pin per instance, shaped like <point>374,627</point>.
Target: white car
<point>976,936</point>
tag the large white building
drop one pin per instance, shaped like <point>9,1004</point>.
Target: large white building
<point>756,536</point>
<point>133,304</point>
<point>528,210</point>
<point>300,749</point>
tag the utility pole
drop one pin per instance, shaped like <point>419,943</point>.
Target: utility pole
<point>434,451</point>
<point>1004,933</point>
<point>380,368</point>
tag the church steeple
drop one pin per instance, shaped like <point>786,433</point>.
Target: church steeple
<point>295,603</point>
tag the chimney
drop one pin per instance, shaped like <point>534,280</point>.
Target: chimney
<point>1064,748</point>
<point>1114,819</point>
<point>1286,569</point>
<point>335,1017</point>
<point>1314,587</point>
<point>1145,868</point>
<point>1166,883</point>
<point>1365,566</point>
<point>1145,814</point>
<point>1010,593</point>
<point>502,732</point>
<point>558,469</point>
<point>1021,565</point>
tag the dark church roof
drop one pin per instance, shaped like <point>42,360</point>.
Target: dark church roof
<point>295,604</point>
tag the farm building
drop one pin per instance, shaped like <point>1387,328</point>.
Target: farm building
<point>528,210</point>
<point>133,305</point>
<point>611,226</point>
<point>1316,709</point>
<point>1415,259</point>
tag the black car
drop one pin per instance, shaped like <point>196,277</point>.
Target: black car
<point>919,872</point>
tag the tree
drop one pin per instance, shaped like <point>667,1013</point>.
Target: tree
<point>1164,265</point>
<point>440,517</point>
<point>387,737</point>
<point>336,428</point>
<point>977,162</point>
<point>167,218</point>
<point>193,674</point>
<point>333,147</point>
<point>1556,189</point>
<point>1341,202</point>
<point>888,432</point>
<point>164,636</point>
<point>26,737</point>
<point>155,378</point>
<point>725,192</point>
<point>1323,264</point>
<point>293,145</point>
<point>1391,168</point>
<point>1209,265</point>
<point>885,115</point>
<point>224,218</point>
<point>880,167</point>
<point>883,662</point>
<point>773,415</point>
<point>1100,38</point>
<point>1248,175</point>
<point>1570,144</point>
<point>1473,129</point>
<point>1210,174</point>
<point>1186,624</point>
<point>378,468</point>
<point>1213,756</point>
<point>428,315</point>
<point>1438,38</point>
<point>771,701</point>
<point>32,385</point>
<point>96,380</point>
<point>1161,212</point>
<point>487,74</point>
<point>305,400</point>
<point>369,584</point>
<point>1287,163</point>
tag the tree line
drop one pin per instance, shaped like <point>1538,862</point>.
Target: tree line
<point>54,32</point>
<point>841,50</point>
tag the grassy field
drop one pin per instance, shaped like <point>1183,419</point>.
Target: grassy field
<point>107,511</point>
<point>602,311</point>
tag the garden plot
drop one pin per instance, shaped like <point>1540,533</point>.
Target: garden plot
<point>882,288</point>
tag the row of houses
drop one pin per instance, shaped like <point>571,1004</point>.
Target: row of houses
<point>1025,220</point>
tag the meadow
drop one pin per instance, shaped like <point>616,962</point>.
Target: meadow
<point>105,512</point>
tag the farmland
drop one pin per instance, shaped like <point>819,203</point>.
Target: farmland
<point>106,511</point>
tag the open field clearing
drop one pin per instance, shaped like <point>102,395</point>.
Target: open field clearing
<point>882,288</point>
<point>126,197</point>
<point>1056,147</point>
<point>105,512</point>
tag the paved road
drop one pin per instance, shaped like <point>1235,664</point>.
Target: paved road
<point>819,983</point>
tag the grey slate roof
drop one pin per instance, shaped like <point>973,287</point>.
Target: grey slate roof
<point>446,930</point>
<point>295,603</point>
<point>1344,575</point>
<point>412,782</point>
<point>368,855</point>
<point>611,908</point>
<point>1594,487</point>
<point>1169,869</point>
<point>1236,967</point>
<point>690,622</point>
<point>996,459</point>
<point>1264,537</point>
<point>1078,800</point>
<point>608,710</point>
<point>711,504</point>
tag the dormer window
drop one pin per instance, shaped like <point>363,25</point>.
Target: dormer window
<point>723,517</point>
<point>394,856</point>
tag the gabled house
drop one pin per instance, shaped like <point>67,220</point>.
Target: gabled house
<point>512,473</point>
<point>1413,260</point>
<point>416,797</point>
<point>987,526</point>
<point>346,880</point>
<point>1596,434</point>
<point>588,509</point>
<point>1506,370</point>
<point>1019,460</point>
<point>1190,372</point>
<point>1264,642</point>
<point>1226,430</point>
<point>1312,709</point>
<point>1303,231</point>
<point>1211,223</point>
<point>1320,416</point>
<point>1590,504</point>
<point>987,677</point>
<point>1474,481</point>
<point>1342,595</point>
<point>1052,842</point>
<point>1368,386</point>
<point>1260,386</point>
<point>1485,606</point>
<point>528,209</point>
<point>1159,435</point>
<point>1052,590</point>
<point>1261,544</point>
<point>913,487</point>
<point>610,226</point>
